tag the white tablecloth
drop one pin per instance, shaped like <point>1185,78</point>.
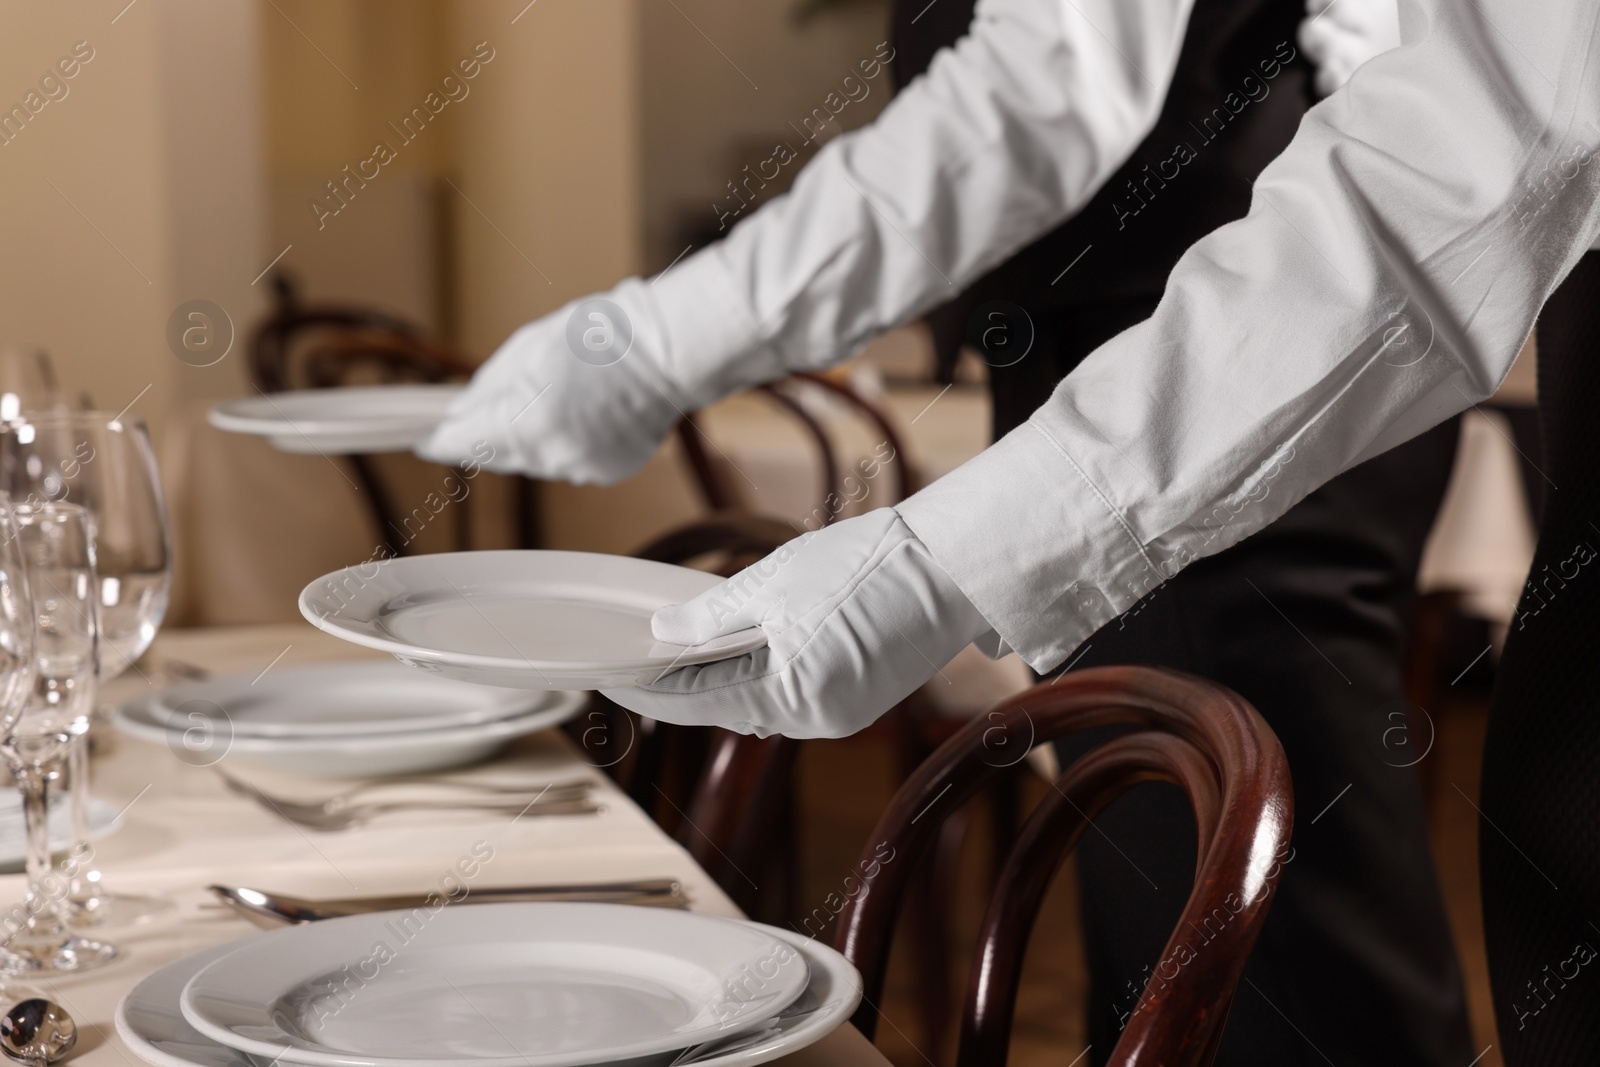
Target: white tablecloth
<point>184,831</point>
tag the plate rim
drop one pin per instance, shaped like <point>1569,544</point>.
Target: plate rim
<point>819,956</point>
<point>521,701</point>
<point>225,416</point>
<point>637,1049</point>
<point>552,670</point>
<point>563,705</point>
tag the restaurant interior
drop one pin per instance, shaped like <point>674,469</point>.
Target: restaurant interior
<point>230,199</point>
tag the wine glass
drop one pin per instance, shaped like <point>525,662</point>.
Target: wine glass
<point>106,464</point>
<point>56,545</point>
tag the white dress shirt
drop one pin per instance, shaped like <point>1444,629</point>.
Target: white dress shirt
<point>1389,270</point>
<point>1008,133</point>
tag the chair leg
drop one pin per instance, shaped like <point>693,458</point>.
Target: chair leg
<point>928,903</point>
<point>525,493</point>
<point>928,908</point>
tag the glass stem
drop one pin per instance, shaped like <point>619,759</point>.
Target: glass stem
<point>43,899</point>
<point>81,890</point>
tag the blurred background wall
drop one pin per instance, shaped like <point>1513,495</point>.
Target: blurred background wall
<point>202,149</point>
<point>185,155</point>
<point>129,186</point>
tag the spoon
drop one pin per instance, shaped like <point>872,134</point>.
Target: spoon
<point>37,1032</point>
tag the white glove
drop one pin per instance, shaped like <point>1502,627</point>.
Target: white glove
<point>588,393</point>
<point>857,616</point>
<point>1340,35</point>
<point>550,413</point>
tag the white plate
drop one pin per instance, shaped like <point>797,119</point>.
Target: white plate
<point>348,421</point>
<point>494,985</point>
<point>522,619</point>
<point>207,741</point>
<point>339,699</point>
<point>104,819</point>
<point>152,1025</point>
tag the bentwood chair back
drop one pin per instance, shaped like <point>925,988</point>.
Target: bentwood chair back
<point>1185,730</point>
<point>322,346</point>
<point>719,492</point>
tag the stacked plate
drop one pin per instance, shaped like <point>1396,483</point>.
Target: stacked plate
<point>495,985</point>
<point>341,719</point>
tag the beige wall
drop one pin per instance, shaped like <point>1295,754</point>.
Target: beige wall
<point>195,138</point>
<point>703,119</point>
<point>549,157</point>
<point>337,73</point>
<point>599,133</point>
<point>519,196</point>
<point>156,146</point>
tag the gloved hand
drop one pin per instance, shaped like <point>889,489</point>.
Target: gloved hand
<point>588,393</point>
<point>548,413</point>
<point>857,616</point>
<point>1340,35</point>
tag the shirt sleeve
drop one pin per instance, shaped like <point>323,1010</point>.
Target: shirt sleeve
<point>1008,133</point>
<point>1390,267</point>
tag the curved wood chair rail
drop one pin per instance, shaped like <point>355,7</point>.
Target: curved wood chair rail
<point>719,495</point>
<point>1198,735</point>
<point>903,479</point>
<point>322,346</point>
<point>713,482</point>
<point>747,538</point>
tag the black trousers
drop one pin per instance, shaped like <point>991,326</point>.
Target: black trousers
<point>1307,620</point>
<point>1539,836</point>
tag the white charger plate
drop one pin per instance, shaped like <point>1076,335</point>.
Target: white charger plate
<point>340,699</point>
<point>348,421</point>
<point>151,1024</point>
<point>494,985</point>
<point>359,756</point>
<point>522,619</point>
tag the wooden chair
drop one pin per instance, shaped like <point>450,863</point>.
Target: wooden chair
<point>322,346</point>
<point>1188,731</point>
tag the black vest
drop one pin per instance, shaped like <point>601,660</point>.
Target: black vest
<point>1235,102</point>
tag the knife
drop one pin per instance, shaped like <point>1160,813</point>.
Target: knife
<point>275,909</point>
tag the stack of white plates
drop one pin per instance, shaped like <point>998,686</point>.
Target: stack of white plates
<point>341,719</point>
<point>495,985</point>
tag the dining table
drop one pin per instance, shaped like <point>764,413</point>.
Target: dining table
<point>183,829</point>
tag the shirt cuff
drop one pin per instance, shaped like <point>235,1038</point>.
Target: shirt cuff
<point>712,339</point>
<point>1034,544</point>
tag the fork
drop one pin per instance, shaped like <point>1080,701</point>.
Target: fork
<point>572,788</point>
<point>312,818</point>
<point>337,813</point>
